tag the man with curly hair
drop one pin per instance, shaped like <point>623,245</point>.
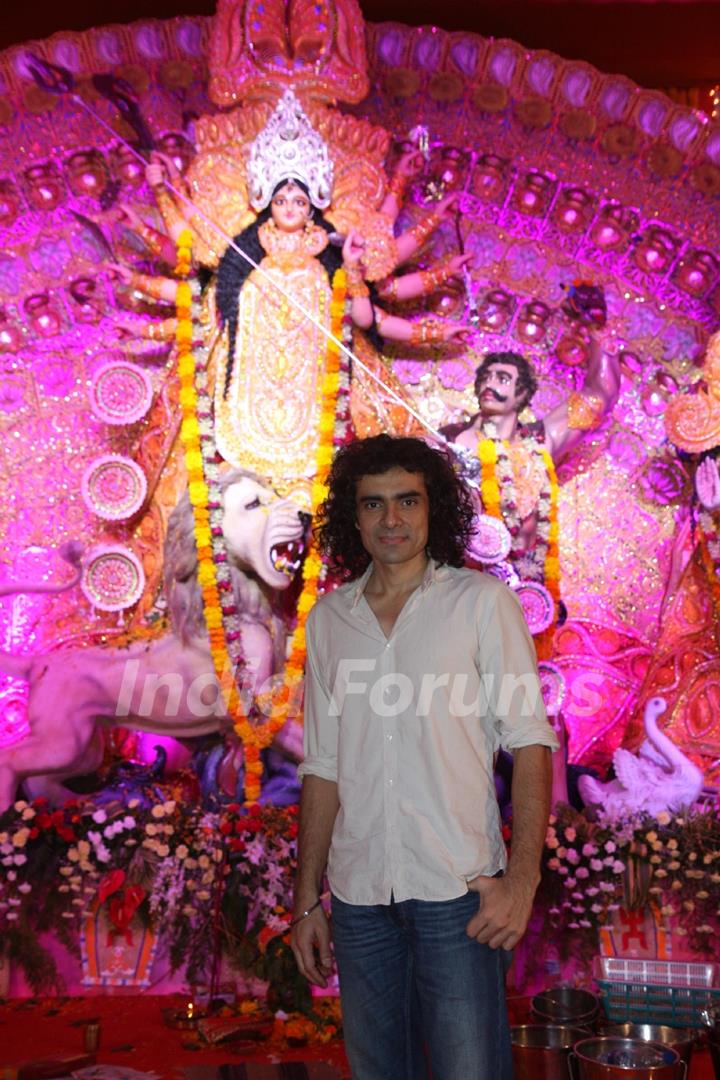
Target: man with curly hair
<point>418,672</point>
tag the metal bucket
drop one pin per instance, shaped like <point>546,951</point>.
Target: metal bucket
<point>540,1051</point>
<point>681,1039</point>
<point>566,1005</point>
<point>612,1058</point>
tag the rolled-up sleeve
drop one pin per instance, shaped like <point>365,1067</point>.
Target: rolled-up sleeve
<point>320,735</point>
<point>508,668</point>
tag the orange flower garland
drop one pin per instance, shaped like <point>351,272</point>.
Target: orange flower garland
<point>199,453</point>
<point>498,502</point>
<point>254,736</point>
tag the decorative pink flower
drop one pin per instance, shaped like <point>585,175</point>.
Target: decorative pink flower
<point>662,481</point>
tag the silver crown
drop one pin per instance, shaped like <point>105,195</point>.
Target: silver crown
<point>288,148</point>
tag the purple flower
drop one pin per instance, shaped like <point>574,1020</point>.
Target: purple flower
<point>662,481</point>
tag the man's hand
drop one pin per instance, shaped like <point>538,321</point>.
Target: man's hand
<point>310,941</point>
<point>505,907</point>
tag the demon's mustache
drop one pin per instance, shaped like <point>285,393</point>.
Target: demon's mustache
<point>489,390</point>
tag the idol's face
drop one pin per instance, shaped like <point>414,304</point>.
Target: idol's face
<point>497,391</point>
<point>290,208</point>
<point>392,513</point>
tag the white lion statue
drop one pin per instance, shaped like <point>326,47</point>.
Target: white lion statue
<point>166,686</point>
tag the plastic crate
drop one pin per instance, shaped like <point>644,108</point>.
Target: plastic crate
<point>657,991</point>
<point>657,972</point>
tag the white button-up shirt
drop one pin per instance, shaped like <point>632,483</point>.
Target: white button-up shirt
<point>408,727</point>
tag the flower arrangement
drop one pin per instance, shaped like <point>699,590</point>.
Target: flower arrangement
<point>499,498</point>
<point>207,880</point>
<point>258,727</point>
<point>671,862</point>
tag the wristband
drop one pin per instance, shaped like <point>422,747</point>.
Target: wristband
<point>308,911</point>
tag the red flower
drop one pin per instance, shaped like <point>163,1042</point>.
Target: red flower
<point>226,827</point>
<point>44,821</point>
<point>66,833</point>
<point>34,832</point>
<point>236,844</point>
<point>292,830</point>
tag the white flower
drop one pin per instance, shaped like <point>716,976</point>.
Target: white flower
<point>20,837</point>
<point>610,847</point>
<point>181,851</point>
<point>20,805</point>
<point>128,822</point>
<point>19,860</point>
<point>28,813</point>
<point>618,867</point>
<point>158,811</point>
<point>99,817</point>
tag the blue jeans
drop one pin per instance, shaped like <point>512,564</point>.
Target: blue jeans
<point>410,975</point>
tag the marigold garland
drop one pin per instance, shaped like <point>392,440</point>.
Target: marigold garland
<point>497,491</point>
<point>206,499</point>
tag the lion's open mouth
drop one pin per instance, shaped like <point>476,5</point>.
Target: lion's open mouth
<point>286,558</point>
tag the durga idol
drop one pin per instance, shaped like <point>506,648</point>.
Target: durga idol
<point>265,318</point>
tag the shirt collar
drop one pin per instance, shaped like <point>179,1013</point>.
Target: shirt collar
<point>433,572</point>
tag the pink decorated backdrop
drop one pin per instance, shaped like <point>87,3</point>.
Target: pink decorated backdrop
<point>566,174</point>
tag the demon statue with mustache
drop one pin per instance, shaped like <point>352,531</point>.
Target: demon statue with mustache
<point>510,464</point>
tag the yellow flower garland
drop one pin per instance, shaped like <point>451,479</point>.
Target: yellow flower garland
<point>255,736</point>
<point>491,501</point>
